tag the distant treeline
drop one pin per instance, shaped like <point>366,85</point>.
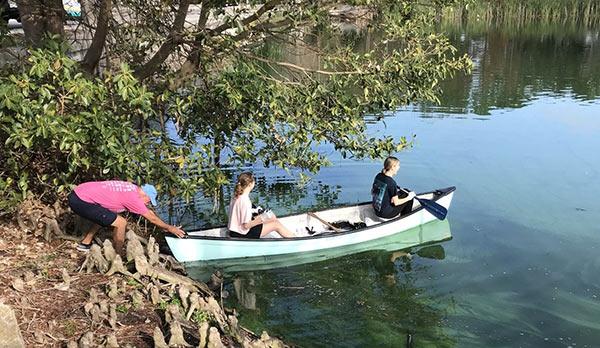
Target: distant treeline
<point>584,11</point>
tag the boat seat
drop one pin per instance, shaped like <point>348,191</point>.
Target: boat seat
<point>368,216</point>
<point>374,220</point>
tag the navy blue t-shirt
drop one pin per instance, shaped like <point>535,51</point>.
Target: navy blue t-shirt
<point>384,188</point>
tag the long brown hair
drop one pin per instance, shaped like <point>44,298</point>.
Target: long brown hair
<point>389,163</point>
<point>243,181</point>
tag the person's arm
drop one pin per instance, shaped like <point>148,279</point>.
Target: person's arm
<point>259,219</point>
<point>254,222</point>
<point>175,230</point>
<point>398,201</point>
<point>245,209</point>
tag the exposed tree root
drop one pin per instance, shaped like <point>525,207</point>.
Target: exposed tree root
<point>148,280</point>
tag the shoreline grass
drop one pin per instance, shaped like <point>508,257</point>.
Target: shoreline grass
<point>585,12</point>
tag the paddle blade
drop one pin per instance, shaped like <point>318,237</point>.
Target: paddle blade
<point>435,209</point>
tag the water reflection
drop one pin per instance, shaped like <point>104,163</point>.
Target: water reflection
<point>378,296</point>
<point>513,66</point>
<point>244,291</point>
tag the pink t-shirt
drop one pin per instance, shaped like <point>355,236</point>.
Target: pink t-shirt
<point>117,196</point>
<point>240,212</point>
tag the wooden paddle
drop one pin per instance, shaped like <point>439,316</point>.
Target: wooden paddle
<point>323,221</point>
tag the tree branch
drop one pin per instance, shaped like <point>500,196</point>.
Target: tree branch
<point>263,26</point>
<point>204,12</point>
<point>93,53</point>
<point>281,82</point>
<point>167,47</point>
<point>304,70</point>
<point>265,8</point>
<point>191,63</point>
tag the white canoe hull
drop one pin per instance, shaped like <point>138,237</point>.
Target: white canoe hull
<point>413,241</point>
<point>215,244</point>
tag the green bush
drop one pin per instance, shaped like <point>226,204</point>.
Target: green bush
<point>59,128</point>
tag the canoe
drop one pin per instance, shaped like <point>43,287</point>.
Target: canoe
<point>214,243</point>
<point>421,241</point>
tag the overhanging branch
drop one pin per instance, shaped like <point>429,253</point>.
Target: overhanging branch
<point>167,47</point>
<point>262,27</point>
<point>304,70</point>
<point>265,8</point>
<point>191,63</point>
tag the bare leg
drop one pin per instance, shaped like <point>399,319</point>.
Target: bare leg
<point>119,233</point>
<point>91,233</point>
<point>274,225</point>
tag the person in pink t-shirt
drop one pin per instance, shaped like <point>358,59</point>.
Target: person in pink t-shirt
<point>101,201</point>
<point>241,223</point>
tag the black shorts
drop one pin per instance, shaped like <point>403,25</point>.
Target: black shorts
<point>401,209</point>
<point>91,211</point>
<point>254,233</point>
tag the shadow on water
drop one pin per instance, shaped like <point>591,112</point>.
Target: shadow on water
<point>376,292</point>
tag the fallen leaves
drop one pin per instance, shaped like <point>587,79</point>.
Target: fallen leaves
<point>18,284</point>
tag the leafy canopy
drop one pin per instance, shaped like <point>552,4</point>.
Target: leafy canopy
<point>196,88</point>
<point>58,127</point>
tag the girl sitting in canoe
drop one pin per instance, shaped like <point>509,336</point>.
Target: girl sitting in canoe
<point>388,201</point>
<point>241,224</point>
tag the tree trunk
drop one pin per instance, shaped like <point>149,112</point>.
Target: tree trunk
<point>93,53</point>
<point>40,17</point>
<point>55,17</point>
<point>32,17</point>
<point>190,66</point>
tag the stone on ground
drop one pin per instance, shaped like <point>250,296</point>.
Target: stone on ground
<point>10,334</point>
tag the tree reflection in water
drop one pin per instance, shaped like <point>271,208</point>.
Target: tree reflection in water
<point>244,291</point>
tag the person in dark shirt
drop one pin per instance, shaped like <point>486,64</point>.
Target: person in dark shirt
<point>388,201</point>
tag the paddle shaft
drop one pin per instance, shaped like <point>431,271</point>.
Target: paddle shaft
<point>323,221</point>
<point>434,208</point>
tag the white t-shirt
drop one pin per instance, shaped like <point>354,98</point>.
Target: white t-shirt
<point>240,212</point>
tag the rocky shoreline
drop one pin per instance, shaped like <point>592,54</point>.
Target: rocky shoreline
<point>60,297</point>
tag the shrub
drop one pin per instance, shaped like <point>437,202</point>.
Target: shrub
<point>59,127</point>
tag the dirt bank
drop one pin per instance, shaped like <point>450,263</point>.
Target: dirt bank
<point>65,298</point>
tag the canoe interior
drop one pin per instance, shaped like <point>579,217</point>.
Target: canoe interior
<point>299,224</point>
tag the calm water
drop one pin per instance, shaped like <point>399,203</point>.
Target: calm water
<point>519,138</point>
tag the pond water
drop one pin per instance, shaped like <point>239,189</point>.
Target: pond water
<point>519,138</point>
